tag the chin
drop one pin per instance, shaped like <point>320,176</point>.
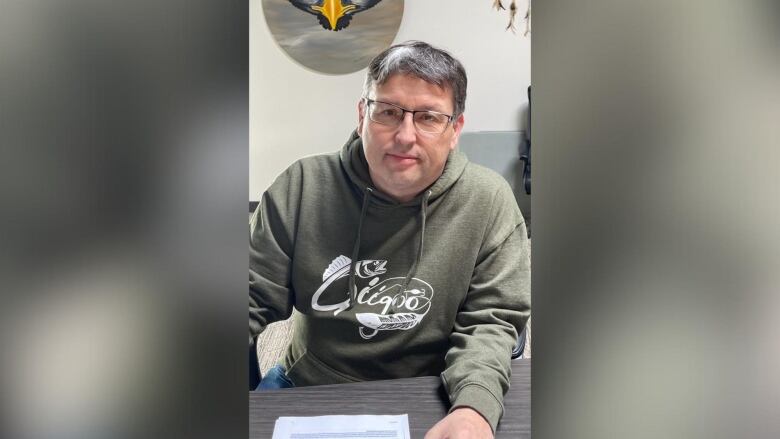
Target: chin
<point>403,182</point>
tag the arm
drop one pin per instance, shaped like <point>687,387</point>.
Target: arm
<point>271,238</point>
<point>496,307</point>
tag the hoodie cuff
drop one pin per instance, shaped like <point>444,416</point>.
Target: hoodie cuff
<point>481,400</point>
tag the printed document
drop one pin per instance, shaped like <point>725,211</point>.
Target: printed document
<point>337,427</point>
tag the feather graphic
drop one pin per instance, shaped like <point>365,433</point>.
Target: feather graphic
<point>336,265</point>
<point>389,322</point>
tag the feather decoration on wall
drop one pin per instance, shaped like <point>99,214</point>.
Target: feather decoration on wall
<point>528,19</point>
<point>498,5</point>
<point>512,14</point>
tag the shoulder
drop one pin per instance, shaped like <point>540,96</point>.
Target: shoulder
<point>487,192</point>
<point>319,161</point>
<point>307,168</point>
<point>315,163</point>
<point>483,182</point>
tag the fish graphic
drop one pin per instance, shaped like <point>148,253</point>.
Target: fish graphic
<point>338,269</point>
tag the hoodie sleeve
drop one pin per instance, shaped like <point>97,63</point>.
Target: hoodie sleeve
<point>271,238</point>
<point>496,306</point>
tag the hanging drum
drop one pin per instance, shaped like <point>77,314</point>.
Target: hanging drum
<point>333,36</point>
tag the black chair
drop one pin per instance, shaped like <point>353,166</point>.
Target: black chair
<point>254,366</point>
<point>525,151</point>
<point>517,352</point>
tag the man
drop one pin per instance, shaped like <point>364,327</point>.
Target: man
<point>402,258</point>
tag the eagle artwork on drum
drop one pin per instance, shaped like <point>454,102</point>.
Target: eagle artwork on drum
<point>334,15</point>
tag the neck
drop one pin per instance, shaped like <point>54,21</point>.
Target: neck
<point>400,195</point>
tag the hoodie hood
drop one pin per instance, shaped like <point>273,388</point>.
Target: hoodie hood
<point>353,160</point>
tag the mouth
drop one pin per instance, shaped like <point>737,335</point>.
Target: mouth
<point>402,159</point>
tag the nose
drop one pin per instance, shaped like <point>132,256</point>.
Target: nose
<point>406,133</point>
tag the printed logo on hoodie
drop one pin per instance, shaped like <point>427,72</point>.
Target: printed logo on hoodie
<point>394,309</point>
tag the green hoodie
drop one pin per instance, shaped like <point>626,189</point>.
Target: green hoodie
<point>387,290</point>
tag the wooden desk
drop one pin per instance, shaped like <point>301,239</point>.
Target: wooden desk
<point>423,399</point>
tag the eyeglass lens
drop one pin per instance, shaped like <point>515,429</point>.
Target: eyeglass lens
<point>426,121</point>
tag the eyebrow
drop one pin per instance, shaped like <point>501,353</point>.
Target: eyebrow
<point>423,108</point>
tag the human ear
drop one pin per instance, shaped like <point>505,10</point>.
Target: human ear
<point>457,127</point>
<point>361,107</point>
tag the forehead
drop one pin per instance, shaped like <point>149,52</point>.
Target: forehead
<point>409,90</point>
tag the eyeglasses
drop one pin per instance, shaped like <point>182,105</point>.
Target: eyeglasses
<point>430,122</point>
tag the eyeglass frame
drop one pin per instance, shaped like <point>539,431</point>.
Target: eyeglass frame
<point>369,101</point>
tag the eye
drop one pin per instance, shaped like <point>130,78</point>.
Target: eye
<point>389,111</point>
<point>431,119</point>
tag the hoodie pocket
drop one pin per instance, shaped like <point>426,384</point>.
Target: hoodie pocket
<point>311,371</point>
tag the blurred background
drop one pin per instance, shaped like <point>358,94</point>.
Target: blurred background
<point>656,230</point>
<point>124,133</point>
<point>123,186</point>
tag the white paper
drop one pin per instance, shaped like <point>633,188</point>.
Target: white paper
<point>342,426</point>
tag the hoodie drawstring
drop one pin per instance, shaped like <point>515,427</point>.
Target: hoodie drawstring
<point>423,216</point>
<point>356,249</point>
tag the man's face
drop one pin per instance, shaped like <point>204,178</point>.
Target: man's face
<point>403,161</point>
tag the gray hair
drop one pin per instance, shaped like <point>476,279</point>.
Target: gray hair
<point>423,61</point>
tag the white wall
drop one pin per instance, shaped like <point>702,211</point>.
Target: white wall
<point>294,112</point>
